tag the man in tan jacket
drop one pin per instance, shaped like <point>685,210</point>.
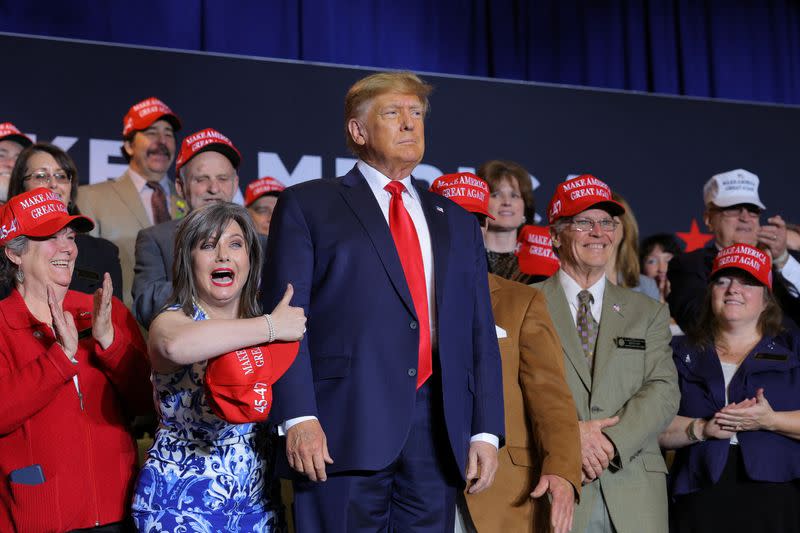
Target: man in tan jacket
<point>542,452</point>
<point>144,195</point>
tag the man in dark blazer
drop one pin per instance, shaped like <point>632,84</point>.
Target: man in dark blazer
<point>206,170</point>
<point>395,398</point>
<point>733,211</point>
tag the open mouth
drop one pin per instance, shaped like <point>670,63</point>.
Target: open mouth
<point>60,263</point>
<point>222,277</point>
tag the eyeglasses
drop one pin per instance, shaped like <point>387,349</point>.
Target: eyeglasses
<point>587,224</point>
<point>43,177</point>
<point>750,211</point>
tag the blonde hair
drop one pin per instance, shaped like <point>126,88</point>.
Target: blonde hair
<point>360,95</point>
<point>628,249</point>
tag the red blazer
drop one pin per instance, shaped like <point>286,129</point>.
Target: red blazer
<point>87,455</point>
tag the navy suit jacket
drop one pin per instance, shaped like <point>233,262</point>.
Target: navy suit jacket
<point>356,369</point>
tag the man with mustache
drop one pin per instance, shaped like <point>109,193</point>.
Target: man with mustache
<point>734,215</point>
<point>12,142</point>
<point>206,172</point>
<point>144,195</point>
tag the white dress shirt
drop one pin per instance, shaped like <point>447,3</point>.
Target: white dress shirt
<point>377,181</point>
<point>146,193</point>
<point>791,273</point>
<point>571,290</point>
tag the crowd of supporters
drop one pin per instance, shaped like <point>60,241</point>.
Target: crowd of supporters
<point>643,388</point>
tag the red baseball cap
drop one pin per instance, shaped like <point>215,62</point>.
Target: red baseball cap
<point>535,251</point>
<point>239,384</point>
<point>258,188</point>
<point>466,189</point>
<point>579,194</point>
<point>9,132</point>
<point>207,140</point>
<point>745,258</point>
<point>38,213</point>
<point>142,115</point>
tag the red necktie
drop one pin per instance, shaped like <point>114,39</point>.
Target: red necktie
<point>407,243</point>
<point>158,202</point>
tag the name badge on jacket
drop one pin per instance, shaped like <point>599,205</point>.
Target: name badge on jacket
<point>631,343</point>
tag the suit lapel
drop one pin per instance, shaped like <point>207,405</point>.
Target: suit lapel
<point>567,330</point>
<point>177,205</point>
<point>359,198</point>
<point>612,325</point>
<point>129,196</point>
<point>438,227</point>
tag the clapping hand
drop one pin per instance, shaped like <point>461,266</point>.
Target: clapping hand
<point>63,326</point>
<point>751,414</point>
<point>102,325</point>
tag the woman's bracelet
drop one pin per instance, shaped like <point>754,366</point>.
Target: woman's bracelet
<point>270,329</point>
<point>690,432</point>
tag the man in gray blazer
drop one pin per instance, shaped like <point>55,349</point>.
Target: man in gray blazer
<point>618,365</point>
<point>206,172</point>
<point>144,195</point>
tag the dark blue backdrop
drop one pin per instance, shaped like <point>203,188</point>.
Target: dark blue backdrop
<point>748,50</point>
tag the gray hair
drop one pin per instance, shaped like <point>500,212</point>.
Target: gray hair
<point>8,270</point>
<point>558,227</point>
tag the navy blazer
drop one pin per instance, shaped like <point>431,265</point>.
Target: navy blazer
<point>356,369</point>
<point>774,365</point>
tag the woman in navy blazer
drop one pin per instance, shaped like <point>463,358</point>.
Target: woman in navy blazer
<point>737,431</point>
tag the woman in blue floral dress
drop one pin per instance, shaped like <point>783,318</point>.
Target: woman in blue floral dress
<point>202,473</point>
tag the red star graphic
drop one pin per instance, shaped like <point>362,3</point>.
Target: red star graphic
<point>694,239</point>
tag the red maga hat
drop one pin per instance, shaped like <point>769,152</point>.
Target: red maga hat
<point>746,258</point>
<point>239,384</point>
<point>38,213</point>
<point>9,132</point>
<point>579,194</point>
<point>258,188</point>
<point>142,115</point>
<point>535,251</point>
<point>207,140</point>
<point>466,189</point>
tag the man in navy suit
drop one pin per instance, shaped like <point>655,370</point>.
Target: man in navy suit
<point>395,399</point>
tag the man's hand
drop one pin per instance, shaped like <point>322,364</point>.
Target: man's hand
<point>596,450</point>
<point>562,496</point>
<point>307,449</point>
<point>481,466</point>
<point>772,236</point>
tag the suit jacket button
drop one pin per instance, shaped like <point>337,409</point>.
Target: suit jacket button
<point>596,409</point>
<point>413,324</point>
<point>412,372</point>
<point>37,334</point>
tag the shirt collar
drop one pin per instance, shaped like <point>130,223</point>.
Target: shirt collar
<point>377,180</point>
<point>571,288</point>
<point>141,184</point>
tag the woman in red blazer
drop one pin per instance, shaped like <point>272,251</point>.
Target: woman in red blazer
<point>73,370</point>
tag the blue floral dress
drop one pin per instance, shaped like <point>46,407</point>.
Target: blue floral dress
<point>202,474</point>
